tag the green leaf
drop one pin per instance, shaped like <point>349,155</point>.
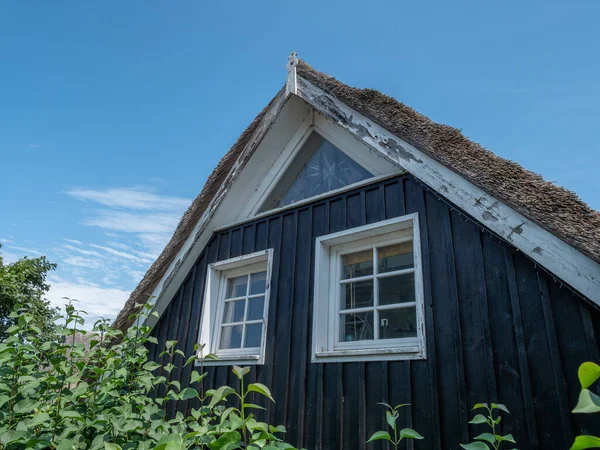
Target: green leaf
<point>25,406</point>
<point>151,365</point>
<point>507,438</point>
<point>71,415</point>
<point>588,373</point>
<point>240,371</point>
<point>12,437</point>
<point>197,376</point>
<point>501,407</point>
<point>391,419</point>
<point>380,435</point>
<point>227,441</point>
<point>109,446</point>
<point>583,442</point>
<point>588,402</point>
<point>478,419</point>
<point>261,389</point>
<point>38,419</point>
<point>488,437</point>
<point>409,433</point>
<point>475,446</point>
<point>188,393</point>
<point>480,406</point>
<point>253,406</point>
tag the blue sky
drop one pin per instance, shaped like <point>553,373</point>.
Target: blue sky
<point>112,113</point>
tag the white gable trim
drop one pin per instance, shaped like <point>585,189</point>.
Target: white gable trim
<point>573,267</point>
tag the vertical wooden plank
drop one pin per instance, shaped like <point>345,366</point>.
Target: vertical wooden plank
<point>543,387</point>
<point>162,339</point>
<point>448,339</point>
<point>194,328</point>
<point>504,341</point>
<point>353,381</point>
<point>559,381</point>
<point>522,349</point>
<point>261,236</point>
<point>182,374</point>
<point>337,210</point>
<point>394,200</point>
<point>374,205</point>
<point>299,329</point>
<point>314,380</point>
<point>235,245</point>
<point>284,318</point>
<point>172,333</point>
<point>248,239</point>
<point>424,377</point>
<point>473,308</point>
<point>272,239</point>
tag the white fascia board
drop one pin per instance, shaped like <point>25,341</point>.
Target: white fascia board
<point>567,263</point>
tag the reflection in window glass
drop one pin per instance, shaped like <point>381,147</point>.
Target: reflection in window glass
<point>231,337</point>
<point>357,326</point>
<point>395,257</point>
<point>236,287</point>
<point>357,294</point>
<point>397,289</point>
<point>319,167</point>
<point>398,323</point>
<point>357,264</point>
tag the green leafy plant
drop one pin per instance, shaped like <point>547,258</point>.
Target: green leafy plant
<point>588,402</point>
<point>391,416</point>
<point>60,393</point>
<point>493,440</point>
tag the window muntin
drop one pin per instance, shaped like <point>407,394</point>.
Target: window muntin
<point>243,311</point>
<point>319,167</point>
<point>368,300</point>
<point>377,300</point>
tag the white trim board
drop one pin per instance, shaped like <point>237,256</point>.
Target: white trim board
<point>572,266</point>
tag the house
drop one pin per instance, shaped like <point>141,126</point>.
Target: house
<point>351,251</point>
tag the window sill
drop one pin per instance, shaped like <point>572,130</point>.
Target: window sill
<point>231,360</point>
<point>380,354</point>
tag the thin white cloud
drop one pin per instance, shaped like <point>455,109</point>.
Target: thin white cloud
<point>130,198</point>
<point>82,251</point>
<point>128,222</point>
<point>121,254</point>
<point>96,301</point>
<point>72,241</point>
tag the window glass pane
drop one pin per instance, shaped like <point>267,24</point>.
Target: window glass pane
<point>236,287</point>
<point>256,306</point>
<point>234,311</point>
<point>398,323</point>
<point>357,294</point>
<point>357,264</point>
<point>231,337</point>
<point>253,335</point>
<point>356,327</point>
<point>319,167</point>
<point>395,257</point>
<point>258,282</point>
<point>397,289</point>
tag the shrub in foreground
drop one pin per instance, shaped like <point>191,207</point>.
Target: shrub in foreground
<point>58,394</point>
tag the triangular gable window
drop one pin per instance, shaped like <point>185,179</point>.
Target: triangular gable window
<point>319,167</point>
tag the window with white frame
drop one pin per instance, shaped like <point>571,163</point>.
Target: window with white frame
<point>234,316</point>
<point>369,293</point>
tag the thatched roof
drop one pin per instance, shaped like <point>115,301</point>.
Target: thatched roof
<point>554,208</point>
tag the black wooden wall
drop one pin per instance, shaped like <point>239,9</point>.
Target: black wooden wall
<point>498,329</point>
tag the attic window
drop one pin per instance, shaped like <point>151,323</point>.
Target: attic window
<point>318,167</point>
<point>368,300</point>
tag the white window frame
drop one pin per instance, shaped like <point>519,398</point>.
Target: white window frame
<point>214,300</point>
<point>326,318</point>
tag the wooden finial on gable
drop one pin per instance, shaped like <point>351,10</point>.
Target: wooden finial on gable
<point>291,86</point>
